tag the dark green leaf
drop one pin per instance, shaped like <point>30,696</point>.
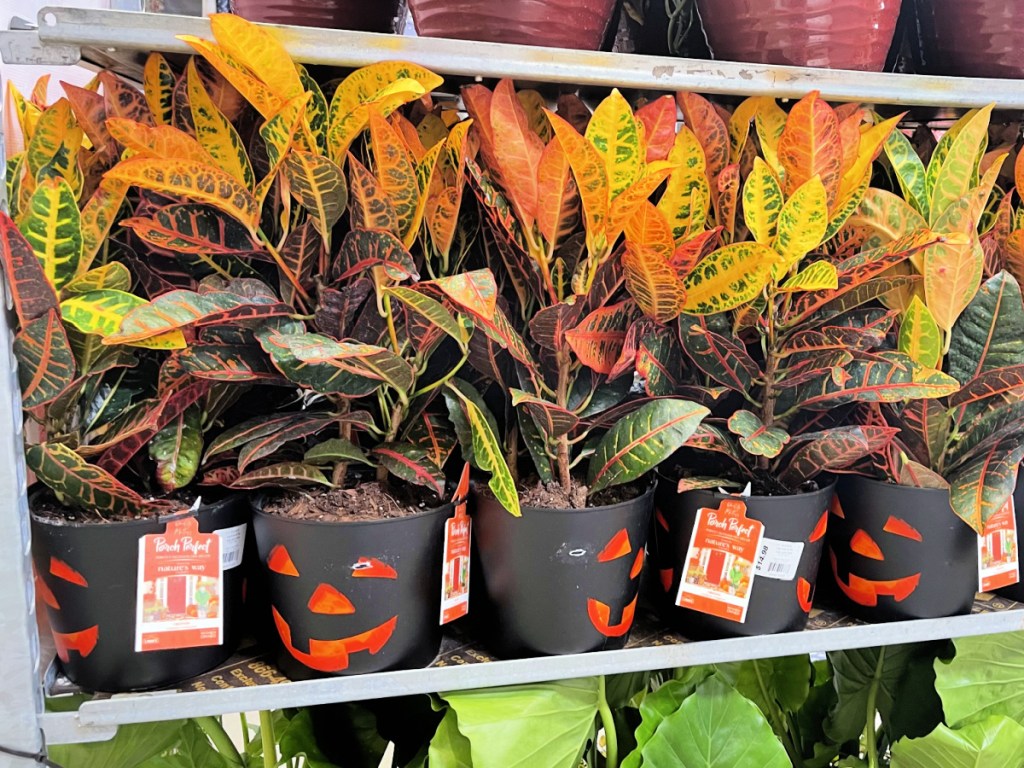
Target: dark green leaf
<point>80,483</point>
<point>283,475</point>
<point>859,674</point>
<point>176,449</point>
<point>722,358</point>
<point>334,450</point>
<point>412,465</point>
<point>990,332</point>
<point>46,365</point>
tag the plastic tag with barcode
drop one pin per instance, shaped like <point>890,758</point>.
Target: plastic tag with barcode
<point>778,559</point>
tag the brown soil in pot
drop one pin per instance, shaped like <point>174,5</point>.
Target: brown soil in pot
<point>45,506</point>
<point>364,502</point>
<point>534,493</point>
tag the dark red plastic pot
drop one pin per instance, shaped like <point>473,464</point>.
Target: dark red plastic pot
<point>359,15</point>
<point>354,597</point>
<point>900,553</point>
<point>972,38</point>
<point>1016,591</point>
<point>578,24</point>
<point>559,580</point>
<point>97,618</point>
<point>775,605</point>
<point>837,34</point>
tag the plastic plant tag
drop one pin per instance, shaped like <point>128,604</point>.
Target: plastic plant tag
<point>720,561</point>
<point>455,570</point>
<point>998,558</point>
<point>180,584</point>
<point>232,545</point>
<point>777,559</point>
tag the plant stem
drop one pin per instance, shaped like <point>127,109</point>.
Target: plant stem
<point>771,362</point>
<point>268,740</point>
<point>212,727</point>
<point>776,719</point>
<point>870,738</point>
<point>390,317</point>
<point>245,726</point>
<point>444,379</point>
<point>562,395</point>
<point>611,739</point>
<point>285,269</point>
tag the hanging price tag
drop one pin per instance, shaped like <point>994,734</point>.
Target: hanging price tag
<point>720,561</point>
<point>998,558</point>
<point>180,585</point>
<point>455,570</point>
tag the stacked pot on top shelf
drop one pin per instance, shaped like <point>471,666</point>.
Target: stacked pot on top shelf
<point>238,288</point>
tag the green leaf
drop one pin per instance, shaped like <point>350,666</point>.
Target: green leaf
<point>728,277</point>
<point>363,249</point>
<point>487,454</point>
<point>716,727</point>
<point>412,465</point>
<point>979,488</point>
<point>176,449</point>
<point>192,751</point>
<point>552,420</point>
<point>723,358</point>
<point>80,483</point>
<point>819,276</point>
<point>859,673</point>
<point>449,748</point>
<point>919,338</point>
<point>46,364</point>
<point>266,445</point>
<point>526,726</point>
<point>282,475</point>
<point>298,739</point>
<point>52,225</point>
<point>641,440</point>
<point>333,450</point>
<point>984,679</point>
<point>959,168</point>
<point>762,202</point>
<point>783,682</point>
<point>996,742</point>
<point>909,170</point>
<point>990,331</point>
<point>433,311</point>
<point>755,438</point>
<point>319,186</point>
<point>113,276</point>
<point>329,374</point>
<point>131,747</point>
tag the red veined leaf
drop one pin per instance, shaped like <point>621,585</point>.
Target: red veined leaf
<point>548,326</point>
<point>980,488</point>
<point>370,207</point>
<point>256,428</point>
<point>652,282</point>
<point>412,464</point>
<point>395,175</point>
<point>265,445</point>
<point>475,291</point>
<point>158,88</point>
<point>722,358</point>
<point>46,365</point>
<point>226,362</point>
<point>123,100</point>
<point>658,118</point>
<point>557,198</point>
<point>701,118</point>
<point>659,362</point>
<point>599,338</point>
<point>282,475</point>
<point>365,249</point>
<point>304,254</point>
<point>221,476</point>
<point>81,483</point>
<point>194,229</point>
<point>33,295</point>
<point>552,420</point>
<point>693,250</point>
<point>433,434</point>
<point>833,450</point>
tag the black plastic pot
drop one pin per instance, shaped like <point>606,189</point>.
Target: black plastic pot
<point>775,605</point>
<point>97,605</point>
<point>1016,591</point>
<point>559,580</point>
<point>900,553</point>
<point>354,597</point>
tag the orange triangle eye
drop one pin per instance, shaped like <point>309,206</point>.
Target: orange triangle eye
<point>638,565</point>
<point>326,599</point>
<point>619,546</point>
<point>372,568</point>
<point>62,570</point>
<point>820,528</point>
<point>864,545</point>
<point>899,527</point>
<point>279,561</point>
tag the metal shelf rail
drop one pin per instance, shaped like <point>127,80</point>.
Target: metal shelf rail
<point>121,40</point>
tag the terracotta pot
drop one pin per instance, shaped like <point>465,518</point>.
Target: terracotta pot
<point>558,580</point>
<point>972,38</point>
<point>578,24</point>
<point>900,553</point>
<point>776,604</point>
<point>837,34</point>
<point>87,574</point>
<point>359,15</point>
<point>353,597</point>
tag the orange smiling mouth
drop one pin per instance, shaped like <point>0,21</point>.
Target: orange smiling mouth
<point>332,655</point>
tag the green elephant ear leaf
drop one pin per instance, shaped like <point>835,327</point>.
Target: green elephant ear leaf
<point>716,727</point>
<point>526,726</point>
<point>449,747</point>
<point>985,678</point>
<point>996,742</point>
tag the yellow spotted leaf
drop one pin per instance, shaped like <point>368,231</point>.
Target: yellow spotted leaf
<point>100,312</point>
<point>344,130</point>
<point>266,102</point>
<point>819,276</point>
<point>739,126</point>
<point>702,118</point>
<point>810,146</point>
<point>158,86</point>
<point>215,133</point>
<point>53,150</point>
<point>960,166</point>
<point>259,51</point>
<point>872,141</point>
<point>319,186</point>
<point>613,132</point>
<point>919,336</point>
<point>27,113</point>
<point>625,205</point>
<point>591,176</point>
<point>370,208</point>
<point>395,175</point>
<point>769,122</point>
<point>52,225</point>
<point>802,223</point>
<point>369,83</point>
<point>728,277</point>
<point>762,202</point>
<point>113,276</point>
<point>193,181</point>
<point>689,175</point>
<point>163,141</point>
<point>98,216</point>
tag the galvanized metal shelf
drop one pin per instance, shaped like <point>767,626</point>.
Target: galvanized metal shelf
<point>120,40</point>
<point>463,664</point>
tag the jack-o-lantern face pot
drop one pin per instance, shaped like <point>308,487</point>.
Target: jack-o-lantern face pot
<point>558,580</point>
<point>900,553</point>
<point>780,597</point>
<point>86,576</point>
<point>353,597</point>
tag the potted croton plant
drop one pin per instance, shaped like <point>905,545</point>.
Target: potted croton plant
<point>904,545</point>
<point>562,571</point>
<point>113,430</point>
<point>351,516</point>
<point>785,351</point>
